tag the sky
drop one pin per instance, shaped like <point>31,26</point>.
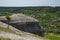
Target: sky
<point>29,2</point>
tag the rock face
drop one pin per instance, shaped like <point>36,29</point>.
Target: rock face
<point>24,23</point>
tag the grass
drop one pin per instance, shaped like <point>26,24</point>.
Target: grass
<point>6,30</point>
<point>1,38</point>
<point>9,31</point>
<point>51,37</point>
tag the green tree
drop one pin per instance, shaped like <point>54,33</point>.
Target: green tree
<point>8,19</point>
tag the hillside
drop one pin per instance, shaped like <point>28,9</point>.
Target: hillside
<point>49,17</point>
<point>15,34</point>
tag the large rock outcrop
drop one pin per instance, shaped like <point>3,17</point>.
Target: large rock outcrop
<point>24,23</point>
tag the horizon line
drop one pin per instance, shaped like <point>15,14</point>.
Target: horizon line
<point>29,6</point>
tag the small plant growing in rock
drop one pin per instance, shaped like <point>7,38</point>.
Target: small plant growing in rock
<point>8,19</point>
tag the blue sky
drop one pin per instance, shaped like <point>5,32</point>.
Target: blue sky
<point>29,2</point>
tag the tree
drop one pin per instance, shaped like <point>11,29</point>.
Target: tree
<point>8,19</point>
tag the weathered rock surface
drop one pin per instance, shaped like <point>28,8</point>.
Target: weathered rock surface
<point>19,35</point>
<point>24,23</point>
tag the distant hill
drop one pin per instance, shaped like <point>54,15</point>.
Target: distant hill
<point>4,10</point>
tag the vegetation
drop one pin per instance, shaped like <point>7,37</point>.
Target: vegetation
<point>6,30</point>
<point>8,19</point>
<point>1,38</point>
<point>52,37</point>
